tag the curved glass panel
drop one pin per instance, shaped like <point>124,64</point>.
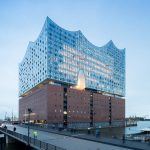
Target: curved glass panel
<point>59,55</point>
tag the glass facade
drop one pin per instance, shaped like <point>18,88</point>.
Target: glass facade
<point>61,56</point>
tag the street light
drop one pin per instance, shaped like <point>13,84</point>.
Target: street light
<point>29,112</point>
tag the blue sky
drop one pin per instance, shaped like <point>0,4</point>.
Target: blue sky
<point>126,22</point>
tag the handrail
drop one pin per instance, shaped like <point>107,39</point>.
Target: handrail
<point>33,142</point>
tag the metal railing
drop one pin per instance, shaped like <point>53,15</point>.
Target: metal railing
<point>33,141</point>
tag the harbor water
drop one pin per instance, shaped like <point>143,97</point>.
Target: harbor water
<point>119,131</point>
<point>137,129</point>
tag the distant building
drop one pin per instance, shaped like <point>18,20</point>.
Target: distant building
<point>66,80</point>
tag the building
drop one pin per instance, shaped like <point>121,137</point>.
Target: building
<point>66,80</point>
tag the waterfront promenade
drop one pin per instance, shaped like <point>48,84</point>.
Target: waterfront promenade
<point>81,141</point>
<point>111,141</point>
<point>67,142</point>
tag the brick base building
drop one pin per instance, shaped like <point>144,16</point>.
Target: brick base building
<point>65,106</point>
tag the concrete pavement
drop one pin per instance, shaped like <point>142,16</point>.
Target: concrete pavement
<point>66,142</point>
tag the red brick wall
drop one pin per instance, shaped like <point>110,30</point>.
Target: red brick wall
<point>37,101</point>
<point>47,104</point>
<point>55,104</point>
<point>78,105</point>
<point>100,107</point>
<point>118,109</point>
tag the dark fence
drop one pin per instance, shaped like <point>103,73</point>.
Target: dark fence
<point>32,141</point>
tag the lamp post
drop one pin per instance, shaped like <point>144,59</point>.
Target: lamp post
<point>29,112</point>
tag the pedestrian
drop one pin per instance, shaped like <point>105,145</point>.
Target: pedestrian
<point>14,129</point>
<point>5,127</point>
<point>35,134</point>
<point>123,138</point>
<point>97,133</point>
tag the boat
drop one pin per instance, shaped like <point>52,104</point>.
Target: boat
<point>145,130</point>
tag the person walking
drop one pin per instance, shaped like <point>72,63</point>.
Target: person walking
<point>123,138</point>
<point>14,129</point>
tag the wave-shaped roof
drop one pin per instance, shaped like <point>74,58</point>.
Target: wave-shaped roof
<point>110,43</point>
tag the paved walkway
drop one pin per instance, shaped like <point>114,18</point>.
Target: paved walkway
<point>67,142</point>
<point>117,142</point>
<point>111,141</point>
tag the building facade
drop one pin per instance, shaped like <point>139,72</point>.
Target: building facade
<point>68,80</point>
